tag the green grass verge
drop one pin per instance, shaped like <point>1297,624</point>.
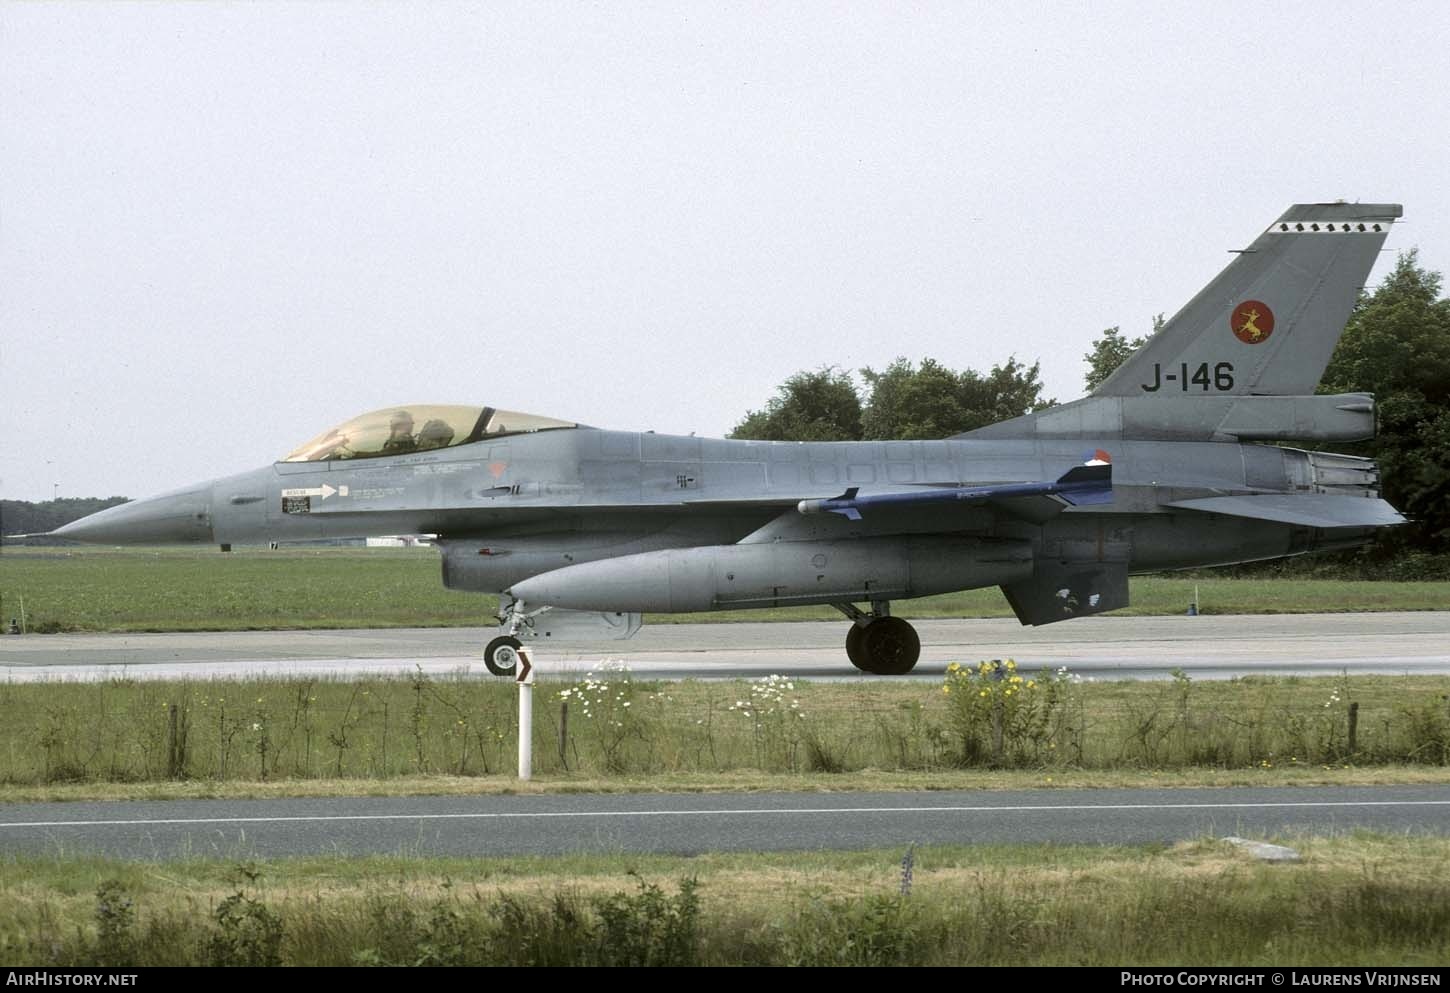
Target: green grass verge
<point>260,734</point>
<point>191,589</point>
<point>1362,900</point>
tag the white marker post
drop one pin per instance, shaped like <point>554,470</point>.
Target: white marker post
<point>526,715</point>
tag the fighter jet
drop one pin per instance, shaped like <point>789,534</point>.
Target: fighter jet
<point>1177,461</point>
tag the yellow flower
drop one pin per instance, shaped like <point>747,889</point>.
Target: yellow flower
<point>1031,683</point>
<point>983,693</point>
<point>954,667</point>
<point>946,689</point>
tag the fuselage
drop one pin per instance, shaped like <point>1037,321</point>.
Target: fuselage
<point>528,504</point>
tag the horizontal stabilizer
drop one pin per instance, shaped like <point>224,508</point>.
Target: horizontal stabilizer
<point>1314,510</point>
<point>1081,485</point>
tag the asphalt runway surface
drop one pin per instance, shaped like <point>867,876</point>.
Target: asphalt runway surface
<point>1105,647</point>
<point>693,823</point>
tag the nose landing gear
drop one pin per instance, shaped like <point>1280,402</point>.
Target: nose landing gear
<point>502,655</point>
<point>879,643</point>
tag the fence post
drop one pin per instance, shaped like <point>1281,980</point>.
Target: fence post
<point>997,724</point>
<point>171,743</point>
<point>176,727</point>
<point>564,734</point>
<point>1353,728</point>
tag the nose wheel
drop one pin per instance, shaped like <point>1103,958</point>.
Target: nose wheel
<point>879,643</point>
<point>501,656</point>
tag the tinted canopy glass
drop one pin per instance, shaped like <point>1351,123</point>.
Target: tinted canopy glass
<point>417,428</point>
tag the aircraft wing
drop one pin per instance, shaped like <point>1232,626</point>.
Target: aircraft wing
<point>1080,486</point>
<point>1035,502</point>
<point>1315,510</point>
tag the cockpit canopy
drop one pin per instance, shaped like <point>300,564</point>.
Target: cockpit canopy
<point>418,428</point>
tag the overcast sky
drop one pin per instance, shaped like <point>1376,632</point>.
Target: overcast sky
<point>224,228</point>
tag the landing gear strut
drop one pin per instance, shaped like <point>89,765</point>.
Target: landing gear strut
<point>501,656</point>
<point>879,643</point>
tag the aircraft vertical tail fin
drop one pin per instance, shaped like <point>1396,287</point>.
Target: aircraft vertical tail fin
<point>1269,322</point>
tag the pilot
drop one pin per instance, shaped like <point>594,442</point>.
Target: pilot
<point>435,434</point>
<point>400,434</point>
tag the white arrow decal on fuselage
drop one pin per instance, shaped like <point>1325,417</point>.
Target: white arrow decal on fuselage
<point>323,491</point>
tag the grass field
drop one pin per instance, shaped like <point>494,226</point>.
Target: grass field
<point>187,589</point>
<point>1363,900</point>
<point>70,740</point>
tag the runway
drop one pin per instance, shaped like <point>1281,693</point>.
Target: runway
<point>1105,648</point>
<point>688,824</point>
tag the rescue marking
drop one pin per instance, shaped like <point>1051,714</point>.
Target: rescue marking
<point>323,491</point>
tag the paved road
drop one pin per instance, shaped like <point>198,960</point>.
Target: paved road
<point>1097,647</point>
<point>688,824</point>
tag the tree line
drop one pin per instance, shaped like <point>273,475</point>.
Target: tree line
<point>24,517</point>
<point>902,401</point>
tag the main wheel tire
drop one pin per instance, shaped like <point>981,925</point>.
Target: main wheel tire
<point>890,647</point>
<point>854,639</point>
<point>502,655</point>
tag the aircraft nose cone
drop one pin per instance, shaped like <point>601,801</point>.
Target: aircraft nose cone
<point>166,519</point>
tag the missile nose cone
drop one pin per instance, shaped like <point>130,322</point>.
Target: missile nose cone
<point>183,517</point>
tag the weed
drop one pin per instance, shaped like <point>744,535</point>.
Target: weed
<point>115,925</point>
<point>248,932</point>
<point>877,930</point>
<point>647,928</point>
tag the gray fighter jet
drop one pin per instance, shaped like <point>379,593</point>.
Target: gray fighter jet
<point>1170,464</point>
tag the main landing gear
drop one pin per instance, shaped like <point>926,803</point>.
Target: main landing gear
<point>879,643</point>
